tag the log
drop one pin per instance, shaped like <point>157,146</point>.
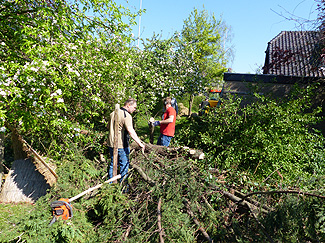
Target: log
<point>171,152</point>
<point>194,153</point>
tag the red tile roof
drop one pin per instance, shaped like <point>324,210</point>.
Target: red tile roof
<point>294,53</point>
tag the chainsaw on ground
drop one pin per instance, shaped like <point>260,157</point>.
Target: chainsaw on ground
<point>61,209</point>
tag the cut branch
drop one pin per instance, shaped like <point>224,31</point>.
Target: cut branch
<point>260,224</point>
<point>127,232</point>
<point>256,203</point>
<point>159,222</point>
<point>143,174</point>
<point>189,211</point>
<point>241,201</point>
<point>285,192</point>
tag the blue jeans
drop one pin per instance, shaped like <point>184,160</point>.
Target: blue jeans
<point>164,140</point>
<point>123,162</point>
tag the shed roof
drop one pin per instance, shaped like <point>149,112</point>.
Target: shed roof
<point>295,53</point>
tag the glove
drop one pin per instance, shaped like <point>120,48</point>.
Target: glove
<point>156,123</point>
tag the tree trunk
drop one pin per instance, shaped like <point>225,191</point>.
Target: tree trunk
<point>171,152</point>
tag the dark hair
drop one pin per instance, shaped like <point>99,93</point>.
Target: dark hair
<point>130,101</point>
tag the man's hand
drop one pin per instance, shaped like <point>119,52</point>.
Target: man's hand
<point>156,123</point>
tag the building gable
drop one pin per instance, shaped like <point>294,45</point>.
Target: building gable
<point>295,53</point>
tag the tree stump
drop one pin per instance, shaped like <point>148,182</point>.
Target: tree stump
<point>23,183</point>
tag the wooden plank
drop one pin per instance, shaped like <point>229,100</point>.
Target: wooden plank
<point>115,148</point>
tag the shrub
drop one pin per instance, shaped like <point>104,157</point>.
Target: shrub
<point>260,138</point>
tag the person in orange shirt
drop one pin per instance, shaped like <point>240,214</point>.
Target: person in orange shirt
<point>167,125</point>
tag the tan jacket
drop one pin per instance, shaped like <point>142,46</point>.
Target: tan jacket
<point>125,120</point>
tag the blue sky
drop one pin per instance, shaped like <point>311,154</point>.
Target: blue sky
<point>254,23</point>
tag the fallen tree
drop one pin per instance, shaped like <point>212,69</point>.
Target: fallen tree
<point>170,199</point>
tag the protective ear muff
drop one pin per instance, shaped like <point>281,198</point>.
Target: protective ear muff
<point>165,102</point>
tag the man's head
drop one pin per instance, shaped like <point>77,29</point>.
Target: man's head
<point>130,105</point>
<point>167,102</point>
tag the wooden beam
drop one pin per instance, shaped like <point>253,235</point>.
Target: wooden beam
<point>115,148</point>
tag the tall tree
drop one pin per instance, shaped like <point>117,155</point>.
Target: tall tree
<point>155,72</point>
<point>203,42</point>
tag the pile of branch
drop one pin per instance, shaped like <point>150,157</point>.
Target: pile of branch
<point>160,168</point>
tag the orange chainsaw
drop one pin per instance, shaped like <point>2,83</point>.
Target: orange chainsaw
<point>61,209</point>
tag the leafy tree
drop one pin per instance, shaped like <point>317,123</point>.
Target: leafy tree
<point>61,65</point>
<point>202,46</point>
<point>155,70</point>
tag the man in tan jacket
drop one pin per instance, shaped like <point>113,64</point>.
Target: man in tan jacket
<point>125,130</point>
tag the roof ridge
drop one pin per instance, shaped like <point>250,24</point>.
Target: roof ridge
<point>290,31</point>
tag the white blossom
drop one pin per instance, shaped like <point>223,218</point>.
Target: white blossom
<point>60,100</point>
<point>69,67</point>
